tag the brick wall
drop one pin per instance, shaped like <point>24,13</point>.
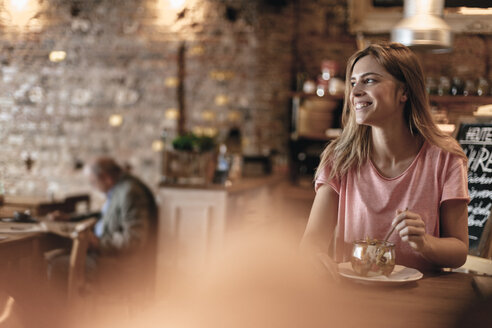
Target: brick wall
<point>122,59</point>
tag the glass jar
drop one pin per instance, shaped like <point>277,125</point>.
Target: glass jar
<point>457,86</point>
<point>336,86</point>
<point>329,69</point>
<point>309,86</point>
<point>470,89</point>
<point>444,87</point>
<point>322,86</point>
<point>483,87</point>
<point>431,85</point>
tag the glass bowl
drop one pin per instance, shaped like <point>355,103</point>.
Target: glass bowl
<point>372,257</point>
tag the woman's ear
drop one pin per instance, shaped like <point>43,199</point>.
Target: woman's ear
<point>404,97</point>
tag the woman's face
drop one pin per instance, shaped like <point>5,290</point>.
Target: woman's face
<point>376,96</point>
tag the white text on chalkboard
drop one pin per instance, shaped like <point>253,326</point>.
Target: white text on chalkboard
<point>478,210</point>
<point>479,134</point>
<point>479,158</point>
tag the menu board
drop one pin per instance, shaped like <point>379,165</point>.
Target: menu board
<point>475,137</point>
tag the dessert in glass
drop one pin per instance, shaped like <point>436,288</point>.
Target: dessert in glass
<point>372,257</point>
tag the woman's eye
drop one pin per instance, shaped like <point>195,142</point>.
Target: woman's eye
<point>364,81</point>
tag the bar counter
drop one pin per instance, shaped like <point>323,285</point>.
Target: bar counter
<point>236,186</point>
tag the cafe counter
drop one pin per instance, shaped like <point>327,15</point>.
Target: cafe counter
<point>193,219</point>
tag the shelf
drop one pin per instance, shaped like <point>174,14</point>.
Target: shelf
<point>311,136</point>
<point>329,134</point>
<point>313,95</point>
<point>475,100</point>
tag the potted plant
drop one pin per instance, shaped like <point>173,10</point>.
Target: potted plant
<point>191,160</point>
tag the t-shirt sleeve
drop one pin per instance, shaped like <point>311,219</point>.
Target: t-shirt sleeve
<point>322,179</point>
<point>456,182</point>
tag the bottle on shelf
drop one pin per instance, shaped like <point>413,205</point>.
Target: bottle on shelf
<point>483,87</point>
<point>444,86</point>
<point>457,86</point>
<point>328,69</point>
<point>233,143</point>
<point>309,87</point>
<point>470,88</point>
<point>430,85</point>
<point>328,82</point>
<point>222,168</point>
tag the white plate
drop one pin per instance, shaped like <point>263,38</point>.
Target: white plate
<point>400,275</point>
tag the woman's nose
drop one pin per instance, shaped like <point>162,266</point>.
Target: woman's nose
<point>357,90</point>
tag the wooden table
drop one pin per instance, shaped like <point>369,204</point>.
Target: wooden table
<point>23,274</point>
<point>20,255</point>
<point>23,271</point>
<point>39,206</point>
<point>434,301</point>
<point>22,260</point>
<point>273,295</point>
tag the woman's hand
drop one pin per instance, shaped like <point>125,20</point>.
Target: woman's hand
<point>450,249</point>
<point>411,228</point>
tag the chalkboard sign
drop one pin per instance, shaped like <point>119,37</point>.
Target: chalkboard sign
<point>475,137</point>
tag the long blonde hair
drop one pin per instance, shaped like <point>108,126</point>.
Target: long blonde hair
<point>352,148</point>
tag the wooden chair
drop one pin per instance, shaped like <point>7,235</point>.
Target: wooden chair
<point>76,271</point>
<point>79,237</point>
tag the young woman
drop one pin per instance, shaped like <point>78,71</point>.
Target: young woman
<point>391,167</point>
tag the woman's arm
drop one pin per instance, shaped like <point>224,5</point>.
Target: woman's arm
<point>451,248</point>
<point>322,221</point>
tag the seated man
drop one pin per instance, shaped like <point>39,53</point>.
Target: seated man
<point>129,214</point>
<point>124,236</point>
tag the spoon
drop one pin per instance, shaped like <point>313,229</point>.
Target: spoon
<point>388,234</point>
<point>380,250</point>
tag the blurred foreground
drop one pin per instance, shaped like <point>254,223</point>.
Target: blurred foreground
<point>259,280</point>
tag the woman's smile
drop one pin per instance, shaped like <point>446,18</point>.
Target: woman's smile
<point>362,105</point>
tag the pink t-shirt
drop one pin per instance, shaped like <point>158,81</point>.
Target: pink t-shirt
<point>368,203</point>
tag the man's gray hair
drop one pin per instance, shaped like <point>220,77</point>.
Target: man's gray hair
<point>106,166</point>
